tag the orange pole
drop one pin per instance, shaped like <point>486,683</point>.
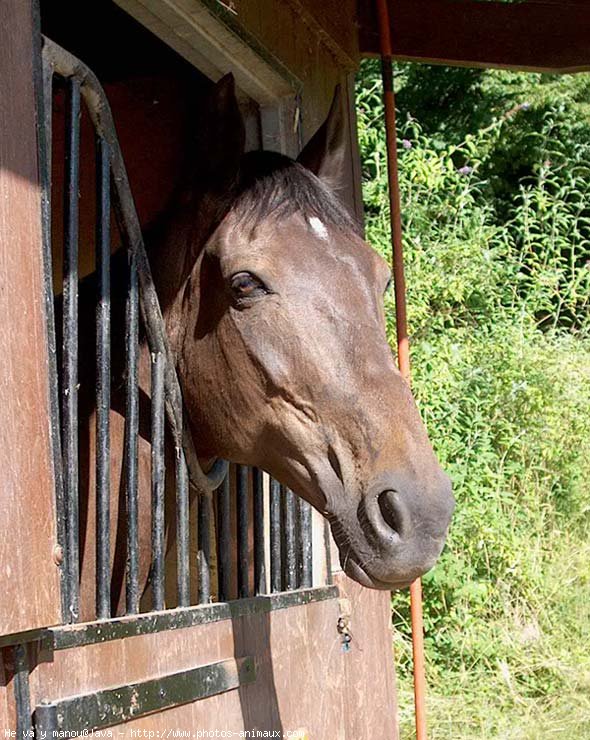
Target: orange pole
<point>403,346</point>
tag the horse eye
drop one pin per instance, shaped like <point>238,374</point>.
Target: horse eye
<point>388,286</point>
<point>246,285</point>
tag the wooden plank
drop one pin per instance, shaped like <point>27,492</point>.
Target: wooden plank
<point>534,35</point>
<point>202,36</point>
<point>28,573</point>
<point>298,660</point>
<point>305,680</point>
<point>294,33</point>
<point>371,706</point>
<point>333,22</point>
<point>304,689</point>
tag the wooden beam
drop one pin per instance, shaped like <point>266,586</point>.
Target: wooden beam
<point>29,576</point>
<point>534,35</point>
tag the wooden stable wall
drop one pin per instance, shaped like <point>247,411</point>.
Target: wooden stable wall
<point>304,679</point>
<point>28,574</point>
<point>287,57</point>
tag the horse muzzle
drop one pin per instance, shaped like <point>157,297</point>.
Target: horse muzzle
<point>396,533</point>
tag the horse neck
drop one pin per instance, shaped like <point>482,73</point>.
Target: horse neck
<point>175,250</point>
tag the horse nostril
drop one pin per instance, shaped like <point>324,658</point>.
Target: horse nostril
<point>390,510</point>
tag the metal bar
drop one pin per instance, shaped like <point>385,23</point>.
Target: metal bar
<point>403,348</point>
<point>22,698</point>
<point>275,536</point>
<point>97,710</point>
<point>399,281</point>
<point>15,638</point>
<point>57,60</point>
<point>132,437</point>
<point>259,559</point>
<point>182,530</point>
<point>103,379</point>
<point>328,552</point>
<point>289,540</point>
<point>305,533</point>
<point>68,66</point>
<point>418,658</point>
<point>117,628</point>
<point>44,129</point>
<point>224,543</point>
<point>158,480</point>
<point>70,344</point>
<point>204,553</point>
<point>242,512</point>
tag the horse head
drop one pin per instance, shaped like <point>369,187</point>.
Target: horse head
<point>275,312</point>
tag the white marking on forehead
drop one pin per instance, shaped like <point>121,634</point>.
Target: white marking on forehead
<point>319,228</point>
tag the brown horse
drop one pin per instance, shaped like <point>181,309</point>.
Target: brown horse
<point>273,305</point>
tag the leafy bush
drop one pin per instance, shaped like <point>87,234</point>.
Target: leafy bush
<point>497,241</point>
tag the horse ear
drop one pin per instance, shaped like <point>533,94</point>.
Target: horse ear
<point>324,153</point>
<point>221,137</point>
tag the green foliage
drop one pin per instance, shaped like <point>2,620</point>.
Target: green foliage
<point>494,186</point>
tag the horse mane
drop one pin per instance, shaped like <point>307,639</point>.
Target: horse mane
<point>272,185</point>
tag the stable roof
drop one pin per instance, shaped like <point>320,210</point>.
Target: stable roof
<point>534,35</point>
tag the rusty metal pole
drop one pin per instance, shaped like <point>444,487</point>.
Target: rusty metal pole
<point>403,348</point>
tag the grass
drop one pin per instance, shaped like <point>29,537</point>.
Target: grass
<point>498,269</point>
<point>486,699</point>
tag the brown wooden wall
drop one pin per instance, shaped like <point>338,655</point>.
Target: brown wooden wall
<point>316,41</point>
<point>532,35</point>
<point>305,679</point>
<point>28,574</point>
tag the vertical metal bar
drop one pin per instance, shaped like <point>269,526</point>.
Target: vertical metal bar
<point>204,554</point>
<point>131,437</point>
<point>22,698</point>
<point>306,577</point>
<point>242,510</point>
<point>289,540</point>
<point>44,87</point>
<point>182,530</point>
<point>418,658</point>
<point>103,379</point>
<point>224,546</point>
<point>70,344</point>
<point>275,536</point>
<point>158,479</point>
<point>328,553</point>
<point>403,349</point>
<point>399,281</point>
<point>259,564</point>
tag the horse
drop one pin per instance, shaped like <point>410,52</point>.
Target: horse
<point>273,307</point>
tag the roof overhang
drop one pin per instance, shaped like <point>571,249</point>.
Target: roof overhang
<point>533,35</point>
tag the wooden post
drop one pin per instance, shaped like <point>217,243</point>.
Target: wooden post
<point>28,571</point>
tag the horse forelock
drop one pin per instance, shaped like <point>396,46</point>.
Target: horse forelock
<point>273,186</point>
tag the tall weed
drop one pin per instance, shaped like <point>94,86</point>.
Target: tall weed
<point>498,272</point>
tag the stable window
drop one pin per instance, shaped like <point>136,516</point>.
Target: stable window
<point>231,533</point>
